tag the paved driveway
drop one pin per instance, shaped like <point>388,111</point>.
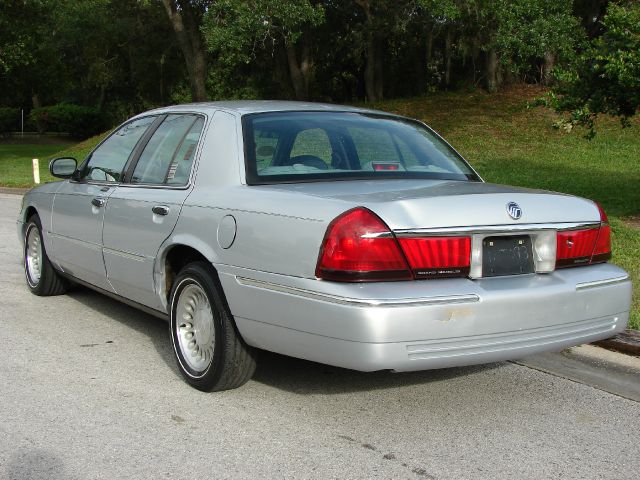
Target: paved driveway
<point>88,389</point>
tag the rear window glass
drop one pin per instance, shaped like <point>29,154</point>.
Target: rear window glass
<point>310,146</point>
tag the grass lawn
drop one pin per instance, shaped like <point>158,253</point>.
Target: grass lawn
<point>15,160</point>
<point>506,142</point>
<point>15,163</point>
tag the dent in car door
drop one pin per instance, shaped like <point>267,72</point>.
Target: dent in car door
<point>142,214</point>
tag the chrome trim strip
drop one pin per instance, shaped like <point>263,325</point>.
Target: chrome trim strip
<point>600,283</point>
<point>445,231</point>
<point>123,254</point>
<point>358,302</point>
<point>82,243</point>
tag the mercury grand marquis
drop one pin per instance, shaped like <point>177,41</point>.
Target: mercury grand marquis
<point>335,234</point>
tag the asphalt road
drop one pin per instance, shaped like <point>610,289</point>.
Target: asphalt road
<point>88,389</point>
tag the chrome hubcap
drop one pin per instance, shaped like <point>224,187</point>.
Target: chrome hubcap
<point>33,255</point>
<point>194,327</point>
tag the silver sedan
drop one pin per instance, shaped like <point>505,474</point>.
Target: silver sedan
<point>335,234</point>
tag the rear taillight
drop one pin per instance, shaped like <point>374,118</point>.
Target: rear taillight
<point>359,247</point>
<point>438,256</point>
<point>584,247</point>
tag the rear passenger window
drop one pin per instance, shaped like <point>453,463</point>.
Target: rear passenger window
<point>180,167</point>
<point>168,156</point>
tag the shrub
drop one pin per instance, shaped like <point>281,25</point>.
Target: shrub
<point>76,120</point>
<point>9,120</point>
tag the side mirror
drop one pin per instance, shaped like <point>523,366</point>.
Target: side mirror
<point>63,167</point>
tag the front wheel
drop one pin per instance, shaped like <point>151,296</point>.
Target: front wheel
<point>42,278</point>
<point>210,353</point>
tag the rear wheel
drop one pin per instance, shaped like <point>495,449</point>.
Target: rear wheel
<point>210,353</point>
<point>42,278</point>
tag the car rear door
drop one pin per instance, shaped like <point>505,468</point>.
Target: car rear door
<point>79,204</point>
<point>143,210</point>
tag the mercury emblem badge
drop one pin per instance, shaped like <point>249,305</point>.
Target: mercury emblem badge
<point>514,210</point>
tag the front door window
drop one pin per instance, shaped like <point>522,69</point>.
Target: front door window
<point>107,162</point>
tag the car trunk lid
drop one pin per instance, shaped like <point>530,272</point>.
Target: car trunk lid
<point>424,204</point>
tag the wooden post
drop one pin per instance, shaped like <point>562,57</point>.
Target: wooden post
<point>36,171</point>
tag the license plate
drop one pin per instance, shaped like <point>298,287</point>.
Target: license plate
<point>506,256</point>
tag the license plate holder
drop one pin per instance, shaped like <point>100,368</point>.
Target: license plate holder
<point>507,255</point>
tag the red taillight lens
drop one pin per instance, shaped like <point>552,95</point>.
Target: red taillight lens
<point>359,247</point>
<point>602,252</point>
<point>575,247</point>
<point>603,215</point>
<point>438,256</point>
<point>582,247</point>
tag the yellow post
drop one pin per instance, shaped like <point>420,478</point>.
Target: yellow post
<point>36,171</point>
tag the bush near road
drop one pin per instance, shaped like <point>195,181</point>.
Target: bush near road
<point>507,142</point>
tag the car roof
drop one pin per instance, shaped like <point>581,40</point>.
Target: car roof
<point>245,107</point>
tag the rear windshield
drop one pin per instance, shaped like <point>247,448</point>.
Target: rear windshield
<point>314,146</point>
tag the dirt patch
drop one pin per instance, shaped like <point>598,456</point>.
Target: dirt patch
<point>632,221</point>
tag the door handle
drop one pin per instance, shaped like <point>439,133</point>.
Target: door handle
<point>98,202</point>
<point>160,210</point>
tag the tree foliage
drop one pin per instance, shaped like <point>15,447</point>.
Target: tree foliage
<point>123,56</point>
<point>605,77</point>
<point>240,32</point>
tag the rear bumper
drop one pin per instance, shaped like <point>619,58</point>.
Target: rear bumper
<point>421,325</point>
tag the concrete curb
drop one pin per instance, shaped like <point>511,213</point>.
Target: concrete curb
<point>14,191</point>
<point>626,342</point>
<point>597,367</point>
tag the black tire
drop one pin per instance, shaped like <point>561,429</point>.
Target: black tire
<point>232,362</point>
<point>50,282</point>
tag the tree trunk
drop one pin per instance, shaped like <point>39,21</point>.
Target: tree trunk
<point>429,44</point>
<point>476,72</point>
<point>35,100</point>
<point>187,29</point>
<point>448,40</point>
<point>378,75</point>
<point>298,72</point>
<point>369,71</point>
<point>492,71</point>
<point>547,67</point>
<point>102,97</point>
<point>372,84</point>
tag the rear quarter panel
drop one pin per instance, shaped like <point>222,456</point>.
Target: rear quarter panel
<point>278,232</point>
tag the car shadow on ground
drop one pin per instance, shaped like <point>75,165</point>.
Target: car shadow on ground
<point>305,377</point>
<point>278,371</point>
<point>113,310</point>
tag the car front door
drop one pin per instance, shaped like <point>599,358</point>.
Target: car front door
<point>143,210</point>
<point>79,205</point>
